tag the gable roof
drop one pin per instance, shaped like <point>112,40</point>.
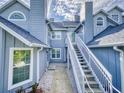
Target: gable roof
<point>20,33</point>
<point>116,7</point>
<point>100,11</point>
<point>63,26</point>
<point>111,36</point>
<point>11,2</point>
<point>56,26</point>
<point>112,21</point>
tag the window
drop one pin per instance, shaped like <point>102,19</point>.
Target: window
<point>17,16</point>
<point>115,17</point>
<point>56,53</point>
<point>56,35</point>
<point>20,67</point>
<point>100,22</point>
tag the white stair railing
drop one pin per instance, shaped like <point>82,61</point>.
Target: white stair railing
<point>79,75</point>
<point>101,73</point>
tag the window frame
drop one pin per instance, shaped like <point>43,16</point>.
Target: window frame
<point>17,19</point>
<point>56,33</point>
<point>115,15</point>
<point>10,75</point>
<point>100,20</point>
<point>56,53</point>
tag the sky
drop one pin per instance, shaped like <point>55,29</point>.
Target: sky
<point>66,9</point>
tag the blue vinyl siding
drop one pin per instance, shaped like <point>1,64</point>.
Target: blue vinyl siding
<point>2,39</point>
<point>111,60</point>
<point>59,44</point>
<point>10,42</point>
<point>38,27</point>
<point>18,7</point>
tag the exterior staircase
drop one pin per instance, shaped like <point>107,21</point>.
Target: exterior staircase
<point>88,73</point>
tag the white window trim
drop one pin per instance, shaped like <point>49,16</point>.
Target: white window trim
<point>10,76</point>
<point>60,53</point>
<point>97,21</point>
<point>17,19</point>
<point>58,33</point>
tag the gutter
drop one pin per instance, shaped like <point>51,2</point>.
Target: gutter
<point>38,45</point>
<point>121,66</point>
<point>38,62</point>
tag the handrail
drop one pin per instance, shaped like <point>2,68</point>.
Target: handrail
<point>74,59</point>
<point>103,76</point>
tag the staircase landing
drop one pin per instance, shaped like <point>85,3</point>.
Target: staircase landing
<point>56,79</point>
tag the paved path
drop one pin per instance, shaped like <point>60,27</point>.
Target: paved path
<point>56,80</point>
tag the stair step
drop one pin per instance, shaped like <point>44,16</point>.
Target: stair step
<point>76,48</point>
<point>96,90</point>
<point>80,57</point>
<point>93,84</point>
<point>79,54</point>
<point>87,71</point>
<point>83,63</point>
<point>84,66</point>
<point>90,77</point>
<point>77,51</point>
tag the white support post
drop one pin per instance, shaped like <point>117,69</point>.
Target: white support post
<point>122,72</point>
<point>68,63</point>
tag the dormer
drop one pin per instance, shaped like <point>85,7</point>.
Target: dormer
<point>100,21</point>
<point>116,14</point>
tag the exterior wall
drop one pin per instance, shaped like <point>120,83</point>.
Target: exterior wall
<point>111,60</point>
<point>2,34</point>
<point>97,30</point>
<point>11,42</point>
<point>18,7</point>
<point>38,27</point>
<point>59,44</point>
<point>88,26</point>
<point>44,62</point>
<point>115,11</point>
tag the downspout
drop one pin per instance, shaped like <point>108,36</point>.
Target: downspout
<point>38,63</point>
<point>121,66</point>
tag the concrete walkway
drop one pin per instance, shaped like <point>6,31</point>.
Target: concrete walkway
<point>56,80</point>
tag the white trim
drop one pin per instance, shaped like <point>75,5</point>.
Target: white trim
<point>24,3</point>
<point>10,2</point>
<point>15,34</point>
<point>10,76</point>
<point>56,33</point>
<point>107,45</point>
<point>38,64</point>
<point>22,39</point>
<point>56,49</point>
<point>17,19</point>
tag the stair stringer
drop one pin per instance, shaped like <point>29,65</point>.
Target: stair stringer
<point>100,85</point>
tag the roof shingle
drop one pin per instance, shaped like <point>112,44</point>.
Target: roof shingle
<point>109,37</point>
<point>25,34</point>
